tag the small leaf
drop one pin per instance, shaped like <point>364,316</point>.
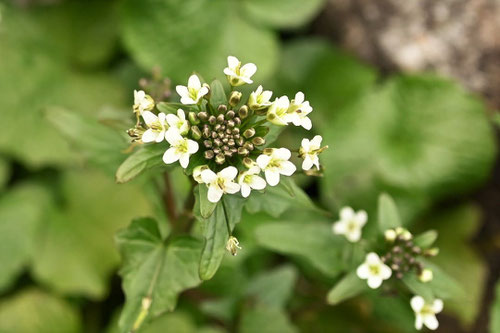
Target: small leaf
<point>154,270</point>
<point>205,206</point>
<point>273,288</point>
<point>216,230</point>
<point>145,158</point>
<point>426,239</point>
<point>170,107</point>
<point>443,285</point>
<point>418,288</point>
<point>312,241</point>
<point>263,319</point>
<point>388,216</point>
<point>349,286</point>
<point>217,94</point>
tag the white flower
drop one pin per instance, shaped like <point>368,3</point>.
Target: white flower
<point>142,102</point>
<point>238,75</point>
<point>426,313</point>
<point>220,183</point>
<point>249,180</point>
<point>260,99</point>
<point>178,121</point>
<point>298,111</point>
<point>277,113</point>
<point>194,91</point>
<point>390,235</point>
<point>373,270</point>
<point>350,224</point>
<point>275,164</point>
<point>309,151</point>
<point>426,275</point>
<point>157,127</point>
<point>197,173</point>
<point>180,148</point>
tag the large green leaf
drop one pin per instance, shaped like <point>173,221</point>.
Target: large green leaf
<point>216,231</point>
<point>75,253</point>
<point>154,271</point>
<point>146,157</point>
<point>282,13</point>
<point>22,212</point>
<point>183,36</point>
<point>312,241</point>
<point>34,311</point>
<point>388,215</point>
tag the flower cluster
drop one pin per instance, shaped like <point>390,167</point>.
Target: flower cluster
<point>228,138</point>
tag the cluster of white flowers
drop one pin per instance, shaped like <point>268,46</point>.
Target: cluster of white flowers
<point>221,136</point>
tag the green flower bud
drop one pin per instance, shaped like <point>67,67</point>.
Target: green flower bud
<point>248,145</point>
<point>222,108</point>
<point>220,119</point>
<point>249,133</point>
<point>230,114</point>
<point>220,159</point>
<point>243,112</point>
<point>193,118</point>
<point>243,151</point>
<point>208,154</point>
<point>248,162</point>
<point>258,141</point>
<point>203,116</point>
<point>234,98</point>
<point>195,132</point>
<point>212,120</point>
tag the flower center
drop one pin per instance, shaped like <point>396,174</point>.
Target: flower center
<point>182,147</point>
<point>374,269</point>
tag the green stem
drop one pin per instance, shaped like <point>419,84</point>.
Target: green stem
<point>229,232</point>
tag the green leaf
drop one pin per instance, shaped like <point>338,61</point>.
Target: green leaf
<point>262,319</point>
<point>275,200</point>
<point>100,144</point>
<point>34,311</point>
<point>216,231</point>
<point>426,239</point>
<point>495,311</point>
<point>418,288</point>
<point>147,157</point>
<point>217,94</point>
<point>4,173</point>
<point>210,29</point>
<point>75,254</point>
<point>388,216</point>
<point>203,205</point>
<point>170,107</point>
<point>154,270</point>
<point>22,212</point>
<point>349,286</point>
<point>312,241</point>
<point>274,288</point>
<point>282,13</point>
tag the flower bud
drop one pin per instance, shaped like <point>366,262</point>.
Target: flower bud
<point>193,118</point>
<point>258,141</point>
<point>230,123</point>
<point>249,133</point>
<point>232,245</point>
<point>208,154</point>
<point>209,93</point>
<point>197,172</point>
<point>426,275</point>
<point>234,98</point>
<point>248,162</point>
<point>243,112</point>
<point>230,114</point>
<point>208,143</point>
<point>220,159</point>
<point>195,132</point>
<point>222,108</point>
<point>203,116</point>
<point>220,119</point>
<point>390,235</point>
<point>262,112</point>
<point>206,132</point>
<point>268,151</point>
<point>240,141</point>
<point>237,121</point>
<point>248,145</point>
<point>212,120</point>
<point>431,252</point>
<point>243,151</point>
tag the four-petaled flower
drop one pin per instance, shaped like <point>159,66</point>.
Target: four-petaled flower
<point>238,75</point>
<point>309,151</point>
<point>142,102</point>
<point>180,122</point>
<point>260,99</point>
<point>426,312</point>
<point>275,164</point>
<point>298,111</point>
<point>249,180</point>
<point>220,183</point>
<point>156,127</point>
<point>193,93</point>
<point>373,270</point>
<point>180,148</point>
<point>350,224</point>
<point>277,113</point>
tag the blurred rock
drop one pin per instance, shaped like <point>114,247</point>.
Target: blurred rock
<point>456,38</point>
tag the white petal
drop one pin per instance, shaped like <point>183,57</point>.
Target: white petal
<point>282,153</point>
<point>307,163</point>
<point>214,193</point>
<point>170,156</point>
<point>182,91</point>
<point>184,160</point>
<point>192,146</point>
<point>194,82</point>
<point>287,168</point>
<point>263,161</point>
<point>248,70</point>
<point>353,236</point>
<point>374,282</point>
<point>187,100</point>
<point>418,321</point>
<point>149,117</point>
<point>231,187</point>
<point>417,303</point>
<point>272,177</point>
<point>266,95</point>
<point>385,272</point>
<point>232,62</point>
<point>316,141</point>
<point>372,258</point>
<point>245,190</point>
<point>229,173</point>
<point>437,306</point>
<point>173,136</point>
<point>305,145</point>
<point>361,218</point>
<point>172,119</point>
<point>363,271</point>
<point>203,91</point>
<point>346,213</point>
<point>229,72</point>
<point>208,176</point>
<point>149,136</point>
<point>339,228</point>
<point>258,183</point>
<point>431,321</point>
<point>258,91</point>
<point>306,123</point>
<point>299,98</point>
<point>160,136</point>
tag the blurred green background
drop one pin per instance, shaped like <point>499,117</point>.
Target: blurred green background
<point>67,72</point>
